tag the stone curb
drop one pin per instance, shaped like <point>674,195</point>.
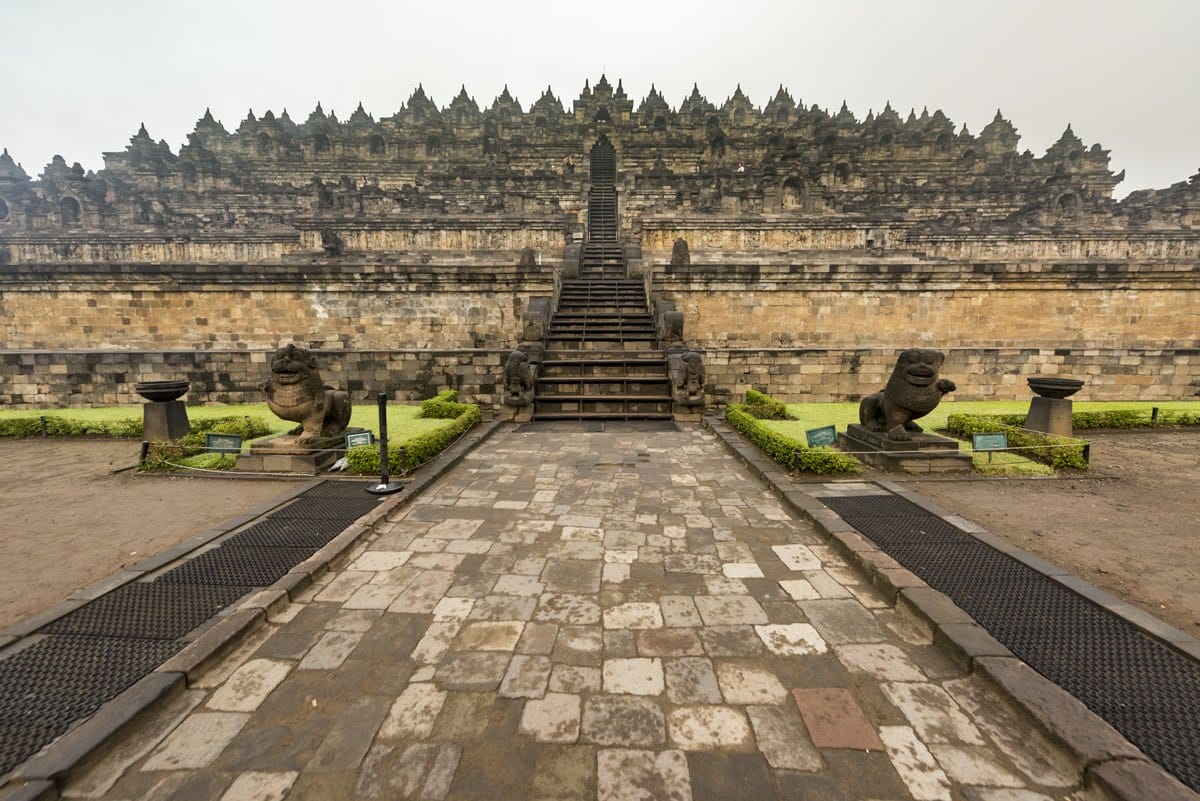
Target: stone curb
<point>34,779</point>
<point>1104,755</point>
<point>23,790</point>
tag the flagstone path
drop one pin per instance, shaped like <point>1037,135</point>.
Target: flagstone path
<point>614,616</point>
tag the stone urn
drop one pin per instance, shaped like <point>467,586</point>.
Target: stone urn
<point>1050,411</point>
<point>165,416</point>
<point>162,391</point>
<point>1046,386</point>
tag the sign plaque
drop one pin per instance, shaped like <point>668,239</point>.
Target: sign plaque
<point>826,435</point>
<point>989,442</point>
<point>223,443</point>
<point>361,438</point>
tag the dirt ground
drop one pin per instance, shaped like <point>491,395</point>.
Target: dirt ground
<point>1133,527</point>
<point>67,521</point>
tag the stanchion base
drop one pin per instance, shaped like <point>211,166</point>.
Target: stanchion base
<point>385,489</point>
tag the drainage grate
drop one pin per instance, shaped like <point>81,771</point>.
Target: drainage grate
<point>1146,690</point>
<point>345,509</point>
<point>158,611</point>
<point>230,565</point>
<point>353,490</point>
<point>863,506</point>
<point>294,532</point>
<point>21,739</point>
<point>60,679</point>
<point>909,530</point>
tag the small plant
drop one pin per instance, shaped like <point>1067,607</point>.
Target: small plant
<point>444,406</point>
<point>763,407</point>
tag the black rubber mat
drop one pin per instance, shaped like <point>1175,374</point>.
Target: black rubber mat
<point>158,611</point>
<point>288,532</point>
<point>317,508</point>
<point>46,687</point>
<point>229,565</point>
<point>1145,689</point>
<point>340,489</point>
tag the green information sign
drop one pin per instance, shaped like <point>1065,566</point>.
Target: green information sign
<point>223,443</point>
<point>362,438</point>
<point>989,442</point>
<point>821,436</point>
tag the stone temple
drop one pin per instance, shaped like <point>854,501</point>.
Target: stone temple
<point>803,249</point>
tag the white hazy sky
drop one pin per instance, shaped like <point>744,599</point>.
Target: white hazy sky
<point>80,75</point>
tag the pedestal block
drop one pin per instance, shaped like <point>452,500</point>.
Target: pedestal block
<point>163,420</point>
<point>922,454</point>
<point>282,454</point>
<point>1050,415</point>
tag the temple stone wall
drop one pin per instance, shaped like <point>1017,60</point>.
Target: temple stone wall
<point>799,375</point>
<point>947,318</point>
<point>884,303</point>
<point>448,305</point>
<point>49,379</point>
<point>813,331</point>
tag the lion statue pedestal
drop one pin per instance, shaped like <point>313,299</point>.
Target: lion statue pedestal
<point>296,392</point>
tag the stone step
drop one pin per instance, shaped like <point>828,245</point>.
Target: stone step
<point>598,344</point>
<point>601,381</point>
<point>641,326</point>
<point>602,416</point>
<point>593,408</point>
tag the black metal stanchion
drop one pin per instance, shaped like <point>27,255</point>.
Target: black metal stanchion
<point>385,486</point>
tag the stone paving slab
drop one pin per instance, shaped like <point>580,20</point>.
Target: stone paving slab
<point>600,616</point>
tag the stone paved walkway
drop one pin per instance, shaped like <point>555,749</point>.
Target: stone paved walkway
<point>578,616</point>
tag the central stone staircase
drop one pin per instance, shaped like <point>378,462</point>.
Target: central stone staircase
<point>602,358</point>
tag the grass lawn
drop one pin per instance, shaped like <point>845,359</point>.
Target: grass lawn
<point>816,415</point>
<point>403,423</point>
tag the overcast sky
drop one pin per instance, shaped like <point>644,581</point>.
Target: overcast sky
<point>80,75</point>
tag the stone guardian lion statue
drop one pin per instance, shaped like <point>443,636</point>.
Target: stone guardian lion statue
<point>913,391</point>
<point>296,392</point>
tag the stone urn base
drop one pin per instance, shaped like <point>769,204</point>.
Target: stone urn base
<point>1051,416</point>
<point>164,420</point>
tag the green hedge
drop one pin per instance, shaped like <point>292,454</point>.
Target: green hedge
<point>1115,418</point>
<point>764,407</point>
<point>364,459</point>
<point>791,453</point>
<point>1045,448</point>
<point>62,427</point>
<point>444,406</point>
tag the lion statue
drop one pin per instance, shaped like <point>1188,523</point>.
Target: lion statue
<point>913,391</point>
<point>295,392</point>
<point>685,373</point>
<point>519,379</point>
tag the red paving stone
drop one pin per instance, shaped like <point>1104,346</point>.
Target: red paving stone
<point>835,720</point>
